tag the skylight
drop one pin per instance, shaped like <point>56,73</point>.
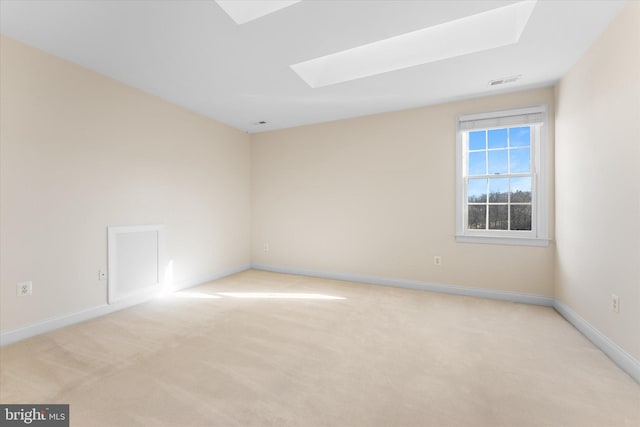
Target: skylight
<point>243,11</point>
<point>487,30</point>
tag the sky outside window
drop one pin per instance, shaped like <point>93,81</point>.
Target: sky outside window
<point>499,151</point>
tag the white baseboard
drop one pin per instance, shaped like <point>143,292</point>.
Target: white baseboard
<point>620,357</point>
<point>624,360</point>
<point>15,335</point>
<point>413,284</point>
<point>210,278</point>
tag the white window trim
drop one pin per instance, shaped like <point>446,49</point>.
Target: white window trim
<point>540,234</point>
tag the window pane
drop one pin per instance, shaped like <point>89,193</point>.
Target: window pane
<point>497,162</point>
<point>477,217</point>
<point>521,217</point>
<point>477,163</point>
<point>478,140</point>
<point>521,190</point>
<point>498,138</point>
<point>520,137</point>
<point>498,190</point>
<point>477,191</point>
<point>498,217</point>
<point>520,160</point>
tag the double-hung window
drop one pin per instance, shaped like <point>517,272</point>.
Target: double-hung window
<point>501,191</point>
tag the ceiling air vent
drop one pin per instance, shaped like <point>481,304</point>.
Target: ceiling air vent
<point>504,80</point>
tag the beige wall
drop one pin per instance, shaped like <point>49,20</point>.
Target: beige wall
<point>376,196</point>
<point>597,182</point>
<point>81,152</point>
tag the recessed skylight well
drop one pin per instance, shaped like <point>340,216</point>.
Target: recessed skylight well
<point>487,30</point>
<point>243,11</point>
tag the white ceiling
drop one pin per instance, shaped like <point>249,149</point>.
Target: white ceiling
<point>193,54</point>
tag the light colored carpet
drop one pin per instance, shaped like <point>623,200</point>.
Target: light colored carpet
<point>217,355</point>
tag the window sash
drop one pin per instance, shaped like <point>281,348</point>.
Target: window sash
<point>535,129</point>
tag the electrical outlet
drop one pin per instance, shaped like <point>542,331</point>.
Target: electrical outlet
<point>24,289</point>
<point>437,260</point>
<point>265,247</point>
<point>102,275</point>
<point>615,303</point>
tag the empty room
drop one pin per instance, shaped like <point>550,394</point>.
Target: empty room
<point>320,213</point>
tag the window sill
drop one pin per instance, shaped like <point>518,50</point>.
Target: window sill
<point>501,240</point>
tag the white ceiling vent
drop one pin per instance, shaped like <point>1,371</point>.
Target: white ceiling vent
<point>505,80</point>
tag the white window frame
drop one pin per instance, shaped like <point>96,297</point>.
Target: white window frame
<point>539,235</point>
